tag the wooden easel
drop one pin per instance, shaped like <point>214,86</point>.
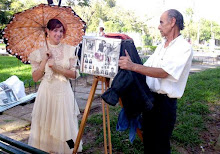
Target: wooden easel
<point>105,82</point>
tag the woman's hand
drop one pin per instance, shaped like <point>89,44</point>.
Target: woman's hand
<point>47,56</point>
<point>51,62</point>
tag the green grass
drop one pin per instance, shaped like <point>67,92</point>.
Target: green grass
<point>120,141</point>
<point>202,90</point>
<point>10,65</point>
<point>2,45</point>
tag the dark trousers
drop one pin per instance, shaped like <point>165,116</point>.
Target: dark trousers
<point>158,125</point>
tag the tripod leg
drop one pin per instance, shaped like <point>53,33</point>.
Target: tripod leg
<point>104,121</point>
<point>108,121</point>
<point>85,114</point>
<point>109,131</point>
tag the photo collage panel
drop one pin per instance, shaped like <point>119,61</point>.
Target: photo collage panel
<point>100,56</point>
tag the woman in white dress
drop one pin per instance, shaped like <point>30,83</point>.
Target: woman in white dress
<point>54,116</point>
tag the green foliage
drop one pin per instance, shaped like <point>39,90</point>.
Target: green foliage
<point>190,30</point>
<point>9,7</point>
<point>147,39</point>
<point>205,31</point>
<point>150,47</point>
<point>216,30</point>
<point>203,26</point>
<point>110,25</point>
<point>111,3</point>
<point>5,16</point>
<point>78,2</point>
<point>139,48</point>
<point>114,18</point>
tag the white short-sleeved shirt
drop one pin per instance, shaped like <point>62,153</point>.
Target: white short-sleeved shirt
<point>176,60</point>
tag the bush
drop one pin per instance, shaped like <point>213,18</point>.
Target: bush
<point>139,48</point>
<point>147,40</point>
<point>152,48</point>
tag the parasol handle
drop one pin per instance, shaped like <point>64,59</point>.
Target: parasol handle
<point>47,44</point>
<point>44,28</point>
<point>59,2</point>
<point>50,2</point>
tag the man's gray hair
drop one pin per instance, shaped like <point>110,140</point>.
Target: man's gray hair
<point>172,13</point>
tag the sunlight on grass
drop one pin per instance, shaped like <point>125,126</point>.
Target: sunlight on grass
<point>10,65</point>
<point>2,45</point>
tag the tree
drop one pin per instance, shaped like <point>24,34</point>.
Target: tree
<point>190,30</point>
<point>9,7</point>
<point>216,30</point>
<point>111,3</point>
<point>5,11</point>
<point>205,30</point>
<point>115,18</point>
<point>78,2</point>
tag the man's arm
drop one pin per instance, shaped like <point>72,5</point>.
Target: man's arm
<point>126,63</point>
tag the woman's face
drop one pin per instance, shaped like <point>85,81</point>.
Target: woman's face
<point>55,35</point>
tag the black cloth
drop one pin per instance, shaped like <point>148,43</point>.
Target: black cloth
<point>130,86</point>
<point>158,125</point>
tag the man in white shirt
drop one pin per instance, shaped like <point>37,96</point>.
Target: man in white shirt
<point>166,73</point>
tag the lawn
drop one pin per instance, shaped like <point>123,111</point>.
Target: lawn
<point>2,45</point>
<point>196,108</point>
<point>10,65</point>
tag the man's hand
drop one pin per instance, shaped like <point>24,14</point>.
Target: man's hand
<point>125,62</point>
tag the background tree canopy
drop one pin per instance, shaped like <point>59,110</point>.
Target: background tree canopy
<point>116,19</point>
<point>10,7</point>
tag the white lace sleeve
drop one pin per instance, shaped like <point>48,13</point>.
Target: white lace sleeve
<point>35,59</point>
<point>73,62</point>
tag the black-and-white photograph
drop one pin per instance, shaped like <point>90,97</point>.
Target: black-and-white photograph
<point>90,45</point>
<point>102,56</point>
<point>7,95</point>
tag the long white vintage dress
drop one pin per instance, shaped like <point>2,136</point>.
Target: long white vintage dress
<point>54,116</point>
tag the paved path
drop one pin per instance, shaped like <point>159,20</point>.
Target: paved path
<point>200,67</point>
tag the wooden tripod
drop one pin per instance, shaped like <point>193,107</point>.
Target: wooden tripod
<point>105,82</point>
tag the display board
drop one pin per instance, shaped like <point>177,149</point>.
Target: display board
<point>100,56</point>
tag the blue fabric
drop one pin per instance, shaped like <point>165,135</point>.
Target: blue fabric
<point>124,123</point>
